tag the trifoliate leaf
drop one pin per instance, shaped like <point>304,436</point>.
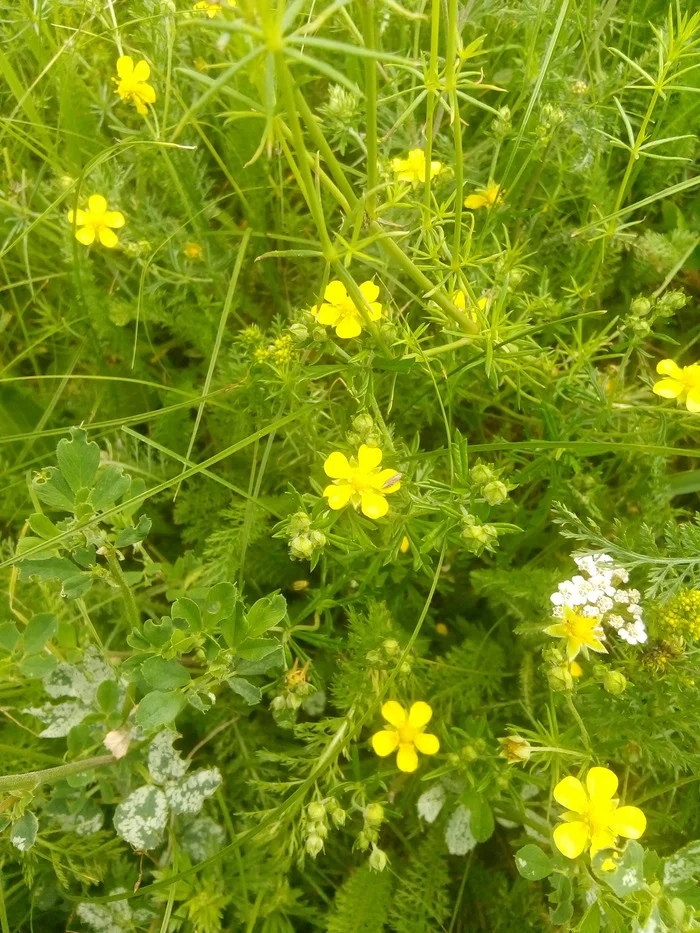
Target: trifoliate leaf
<point>164,762</point>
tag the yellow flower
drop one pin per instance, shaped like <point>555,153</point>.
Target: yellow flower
<point>515,749</point>
<point>193,251</point>
<point>211,9</point>
<point>593,818</point>
<point>96,221</point>
<point>485,197</point>
<point>360,482</point>
<point>340,311</point>
<point>414,168</point>
<point>464,303</point>
<point>131,83</point>
<point>406,734</point>
<point>575,669</point>
<point>580,632</point>
<point>681,383</point>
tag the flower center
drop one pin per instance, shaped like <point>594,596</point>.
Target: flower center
<point>579,626</point>
<point>407,734</point>
<point>691,376</point>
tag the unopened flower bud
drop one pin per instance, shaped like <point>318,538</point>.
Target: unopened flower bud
<point>313,845</point>
<point>390,646</point>
<point>481,474</point>
<point>278,703</point>
<point>560,679</point>
<point>615,682</point>
<point>374,814</point>
<point>299,523</point>
<point>338,816</point>
<point>318,539</point>
<point>405,668</point>
<point>299,331</point>
<point>495,492</point>
<point>640,306</point>
<point>378,859</point>
<point>301,547</point>
<point>405,545</point>
<point>363,423</point>
<point>362,841</point>
<point>373,657</point>
<point>315,811</point>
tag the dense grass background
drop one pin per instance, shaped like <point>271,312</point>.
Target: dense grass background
<point>262,172</point>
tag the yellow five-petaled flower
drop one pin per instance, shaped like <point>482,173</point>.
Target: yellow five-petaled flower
<point>340,311</point>
<point>462,301</point>
<point>360,482</point>
<point>96,222</point>
<point>485,197</point>
<point>406,734</point>
<point>414,169</point>
<point>682,383</point>
<point>211,9</point>
<point>579,631</point>
<point>593,818</point>
<point>131,83</point>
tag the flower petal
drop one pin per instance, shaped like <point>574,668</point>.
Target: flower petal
<point>327,314</point>
<point>601,783</point>
<point>668,388</point>
<point>142,71</point>
<point>147,93</point>
<point>107,237</point>
<point>603,839</point>
<point>370,291</point>
<point>125,66</point>
<point>114,219</point>
<point>571,838</point>
<point>669,368</point>
<point>373,505</point>
<point>338,496</point>
<point>368,458</point>
<point>76,217</point>
<point>627,821</point>
<point>571,794</point>
<point>692,403</point>
<point>385,742</point>
<point>335,292</point>
<point>426,743</point>
<point>337,466</point>
<point>474,201</point>
<point>348,326</point>
<point>97,204</point>
<point>375,311</point>
<point>85,235</point>
<point>384,477</point>
<point>407,760</point>
<point>559,630</point>
<point>394,713</point>
<point>419,715</point>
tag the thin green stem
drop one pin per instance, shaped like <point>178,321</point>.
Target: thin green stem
<point>371,106</point>
<point>132,610</point>
<point>31,779</point>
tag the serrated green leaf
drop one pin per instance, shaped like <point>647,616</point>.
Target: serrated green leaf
<point>52,489</point>
<point>111,485</point>
<point>132,535</point>
<point>189,611</point>
<point>157,632</point>
<point>9,636</point>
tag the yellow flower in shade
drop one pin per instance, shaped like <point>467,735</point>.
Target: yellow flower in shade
<point>405,545</point>
<point>406,734</point>
<point>193,251</point>
<point>96,223</point>
<point>360,482</point>
<point>340,311</point>
<point>464,303</point>
<point>414,168</point>
<point>485,197</point>
<point>682,383</point>
<point>131,83</point>
<point>210,9</point>
<point>579,631</point>
<point>593,818</point>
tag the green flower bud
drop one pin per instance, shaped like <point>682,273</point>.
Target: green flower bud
<point>299,331</point>
<point>495,492</point>
<point>316,811</point>
<point>615,682</point>
<point>374,814</point>
<point>378,859</point>
<point>301,547</point>
<point>390,646</point>
<point>313,845</point>
<point>363,423</point>
<point>560,679</point>
<point>299,523</point>
<point>640,306</point>
<point>362,841</point>
<point>338,816</point>
<point>318,539</point>
<point>481,474</point>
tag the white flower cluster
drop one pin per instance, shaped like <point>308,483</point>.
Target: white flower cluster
<point>596,591</point>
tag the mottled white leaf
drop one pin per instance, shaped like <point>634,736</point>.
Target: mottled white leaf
<point>202,838</point>
<point>24,830</point>
<point>683,865</point>
<point>59,717</point>
<point>458,834</point>
<point>141,818</point>
<point>81,682</point>
<point>189,795</point>
<point>88,821</point>
<point>107,918</point>
<point>430,803</point>
<point>164,762</point>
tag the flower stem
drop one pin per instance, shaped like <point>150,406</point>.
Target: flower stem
<point>31,779</point>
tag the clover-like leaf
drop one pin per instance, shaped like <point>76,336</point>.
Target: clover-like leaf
<point>142,817</point>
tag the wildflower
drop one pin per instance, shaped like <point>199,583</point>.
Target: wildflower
<point>96,221</point>
<point>211,9</point>
<point>489,196</point>
<point>515,749</point>
<point>340,311</point>
<point>580,631</point>
<point>414,168</point>
<point>194,251</point>
<point>593,818</point>
<point>407,734</point>
<point>682,383</point>
<point>360,482</point>
<point>131,83</point>
<point>462,301</point>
